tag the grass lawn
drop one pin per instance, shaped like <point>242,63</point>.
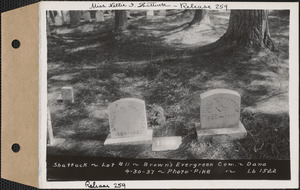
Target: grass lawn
<point>161,62</point>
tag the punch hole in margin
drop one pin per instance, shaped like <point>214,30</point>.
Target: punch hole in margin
<point>16,44</point>
<point>15,147</point>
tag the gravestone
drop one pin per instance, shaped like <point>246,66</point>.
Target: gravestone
<point>162,12</point>
<point>99,16</point>
<point>87,16</point>
<point>67,94</point>
<point>66,16</point>
<point>128,122</point>
<point>58,20</point>
<point>50,138</point>
<point>51,141</point>
<point>220,115</point>
<point>166,143</point>
<point>150,13</point>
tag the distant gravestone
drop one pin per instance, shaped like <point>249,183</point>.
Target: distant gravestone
<point>87,16</point>
<point>99,16</point>
<point>128,122</point>
<point>67,94</point>
<point>162,12</point>
<point>150,13</point>
<point>58,20</point>
<point>66,16</point>
<point>166,143</point>
<point>220,115</point>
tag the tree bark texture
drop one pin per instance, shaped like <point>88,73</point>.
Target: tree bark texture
<point>75,17</point>
<point>200,16</point>
<point>249,28</point>
<point>120,20</point>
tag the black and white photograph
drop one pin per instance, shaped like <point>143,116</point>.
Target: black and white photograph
<point>187,93</point>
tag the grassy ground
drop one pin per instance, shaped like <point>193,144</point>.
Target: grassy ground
<point>159,61</point>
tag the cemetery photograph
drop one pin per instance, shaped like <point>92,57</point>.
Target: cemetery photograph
<point>184,84</point>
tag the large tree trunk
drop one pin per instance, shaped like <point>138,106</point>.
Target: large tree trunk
<point>120,20</point>
<point>75,18</point>
<point>249,28</point>
<point>200,16</point>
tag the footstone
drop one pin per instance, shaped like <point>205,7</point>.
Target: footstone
<point>128,122</point>
<point>87,16</point>
<point>166,143</point>
<point>220,115</point>
<point>99,16</point>
<point>67,94</point>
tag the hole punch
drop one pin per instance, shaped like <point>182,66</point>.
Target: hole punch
<point>16,44</point>
<point>15,147</point>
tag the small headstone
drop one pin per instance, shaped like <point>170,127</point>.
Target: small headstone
<point>128,122</point>
<point>220,114</point>
<point>58,20</point>
<point>162,12</point>
<point>166,143</point>
<point>99,16</point>
<point>67,94</point>
<point>150,13</point>
<point>87,16</point>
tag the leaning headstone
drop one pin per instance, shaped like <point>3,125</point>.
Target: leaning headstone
<point>150,13</point>
<point>220,115</point>
<point>162,12</point>
<point>128,122</point>
<point>51,141</point>
<point>87,16</point>
<point>166,143</point>
<point>99,16</point>
<point>67,94</point>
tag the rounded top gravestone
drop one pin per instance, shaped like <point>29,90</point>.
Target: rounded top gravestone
<point>127,118</point>
<point>219,108</point>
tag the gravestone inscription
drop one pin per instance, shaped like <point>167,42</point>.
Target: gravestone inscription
<point>128,122</point>
<point>219,108</point>
<point>220,115</point>
<point>166,143</point>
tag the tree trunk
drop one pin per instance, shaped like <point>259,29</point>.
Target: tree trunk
<point>75,17</point>
<point>249,28</point>
<point>120,20</point>
<point>200,16</point>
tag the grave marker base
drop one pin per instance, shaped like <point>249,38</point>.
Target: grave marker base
<point>56,141</point>
<point>146,139</point>
<point>223,134</point>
